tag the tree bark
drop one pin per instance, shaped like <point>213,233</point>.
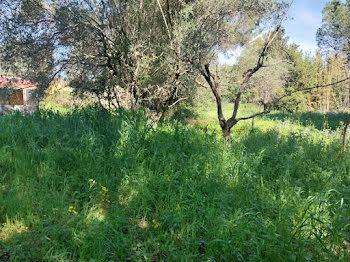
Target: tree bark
<point>226,132</point>
<point>344,133</point>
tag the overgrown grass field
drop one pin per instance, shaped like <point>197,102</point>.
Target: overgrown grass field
<point>91,186</point>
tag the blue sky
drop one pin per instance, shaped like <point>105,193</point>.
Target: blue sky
<point>305,19</point>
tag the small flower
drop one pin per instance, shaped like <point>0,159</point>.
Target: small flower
<point>72,210</point>
<point>178,207</point>
<point>155,224</point>
<point>92,181</point>
<point>104,188</point>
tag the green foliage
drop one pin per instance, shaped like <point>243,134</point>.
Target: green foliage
<point>302,75</point>
<point>334,35</point>
<point>92,186</point>
<point>128,54</point>
<point>290,72</point>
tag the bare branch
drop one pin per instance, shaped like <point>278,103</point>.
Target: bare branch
<point>252,116</point>
<point>184,98</point>
<point>311,88</point>
<point>166,24</point>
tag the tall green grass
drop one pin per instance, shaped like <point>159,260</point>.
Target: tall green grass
<point>93,186</point>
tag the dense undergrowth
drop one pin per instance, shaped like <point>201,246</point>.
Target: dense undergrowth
<point>90,186</point>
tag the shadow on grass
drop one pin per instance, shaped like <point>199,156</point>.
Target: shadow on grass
<point>318,120</point>
<point>168,194</point>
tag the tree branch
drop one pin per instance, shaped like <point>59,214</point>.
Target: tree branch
<point>201,84</point>
<point>213,86</point>
<point>311,88</point>
<point>166,24</point>
<point>252,116</point>
<point>260,63</point>
<point>177,101</point>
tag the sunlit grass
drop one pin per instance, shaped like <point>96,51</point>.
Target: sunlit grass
<point>10,228</point>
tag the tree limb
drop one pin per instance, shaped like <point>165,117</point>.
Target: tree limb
<point>213,86</point>
<point>166,24</point>
<point>254,115</point>
<point>177,101</point>
<point>311,88</point>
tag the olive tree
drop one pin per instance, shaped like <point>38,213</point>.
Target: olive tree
<point>121,51</point>
<point>209,27</point>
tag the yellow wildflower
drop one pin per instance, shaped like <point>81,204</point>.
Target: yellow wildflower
<point>72,210</point>
<point>104,188</point>
<point>155,224</point>
<point>178,207</point>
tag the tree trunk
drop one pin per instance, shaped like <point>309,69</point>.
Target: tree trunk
<point>265,106</point>
<point>347,97</point>
<point>344,133</point>
<point>226,132</point>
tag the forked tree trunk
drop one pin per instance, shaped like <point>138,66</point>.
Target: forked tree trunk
<point>226,126</point>
<point>214,84</point>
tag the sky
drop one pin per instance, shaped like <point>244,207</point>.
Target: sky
<point>301,28</point>
<point>306,19</point>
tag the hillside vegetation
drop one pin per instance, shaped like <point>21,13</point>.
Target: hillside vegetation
<point>93,186</point>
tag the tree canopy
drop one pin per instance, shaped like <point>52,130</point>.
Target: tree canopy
<point>334,34</point>
<point>127,53</point>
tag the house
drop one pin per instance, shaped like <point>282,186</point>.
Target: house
<point>17,95</point>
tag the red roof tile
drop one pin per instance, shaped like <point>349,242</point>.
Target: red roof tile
<point>15,83</point>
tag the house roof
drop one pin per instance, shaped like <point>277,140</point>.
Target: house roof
<point>15,83</point>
